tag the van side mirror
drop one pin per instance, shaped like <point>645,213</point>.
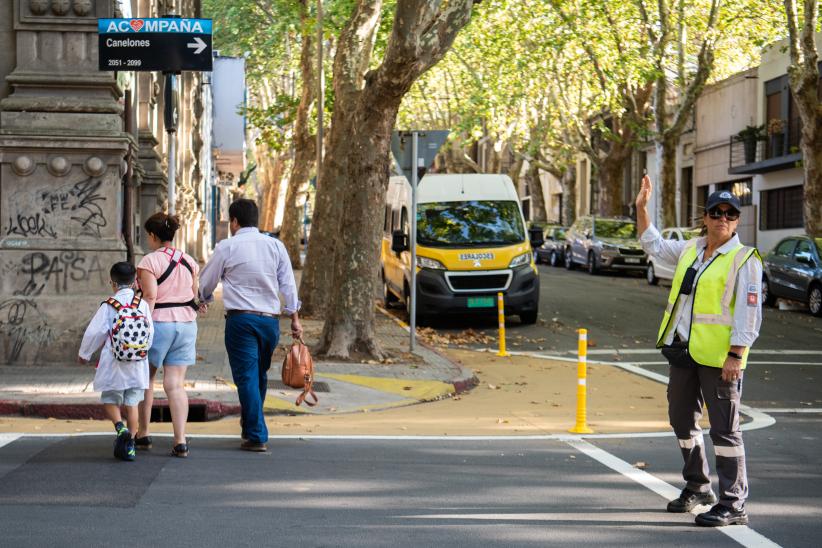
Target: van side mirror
<point>399,241</point>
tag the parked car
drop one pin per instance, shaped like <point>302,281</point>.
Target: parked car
<point>793,270</point>
<point>660,270</point>
<point>604,243</point>
<point>552,250</point>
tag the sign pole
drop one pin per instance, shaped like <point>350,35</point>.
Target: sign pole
<point>170,119</point>
<point>413,243</point>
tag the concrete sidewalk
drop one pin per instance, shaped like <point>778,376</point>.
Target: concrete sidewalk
<point>66,392</point>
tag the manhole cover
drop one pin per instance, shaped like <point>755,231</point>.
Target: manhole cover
<point>319,386</point>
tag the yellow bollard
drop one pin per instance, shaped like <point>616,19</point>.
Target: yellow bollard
<point>501,311</point>
<point>581,427</point>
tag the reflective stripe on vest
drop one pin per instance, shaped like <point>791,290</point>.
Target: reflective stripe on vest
<point>713,304</point>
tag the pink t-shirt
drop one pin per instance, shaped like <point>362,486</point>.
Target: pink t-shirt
<point>175,289</point>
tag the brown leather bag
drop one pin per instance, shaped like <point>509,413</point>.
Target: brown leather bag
<point>298,371</point>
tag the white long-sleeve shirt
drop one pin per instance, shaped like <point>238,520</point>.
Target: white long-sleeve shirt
<point>747,315</point>
<point>112,374</point>
<point>254,269</point>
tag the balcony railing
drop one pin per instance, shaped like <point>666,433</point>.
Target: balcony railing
<point>777,151</point>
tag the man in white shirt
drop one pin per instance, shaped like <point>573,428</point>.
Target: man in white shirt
<point>254,269</point>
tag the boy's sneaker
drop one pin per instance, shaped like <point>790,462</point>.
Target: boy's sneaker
<point>122,443</point>
<point>131,450</point>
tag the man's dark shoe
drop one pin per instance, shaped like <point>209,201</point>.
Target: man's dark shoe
<point>253,446</point>
<point>720,516</point>
<point>688,500</point>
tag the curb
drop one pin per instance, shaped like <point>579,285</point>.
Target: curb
<point>200,410</point>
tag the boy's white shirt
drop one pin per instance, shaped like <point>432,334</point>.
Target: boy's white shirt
<point>113,374</point>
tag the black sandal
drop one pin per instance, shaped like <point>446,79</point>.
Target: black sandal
<point>143,443</point>
<point>180,450</point>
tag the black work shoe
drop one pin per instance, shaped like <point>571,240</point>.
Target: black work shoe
<point>720,516</point>
<point>688,500</point>
<point>253,446</point>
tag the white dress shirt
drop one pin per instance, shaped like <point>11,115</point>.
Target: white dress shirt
<point>254,269</point>
<point>747,315</point>
<point>112,374</point>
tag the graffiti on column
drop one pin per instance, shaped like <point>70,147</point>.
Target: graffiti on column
<point>46,214</point>
<point>61,273</point>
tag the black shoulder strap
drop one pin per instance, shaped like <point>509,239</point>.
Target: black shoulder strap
<point>171,266</point>
<point>135,302</point>
<point>117,305</point>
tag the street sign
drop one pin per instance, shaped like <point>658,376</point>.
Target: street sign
<point>429,143</point>
<point>165,44</point>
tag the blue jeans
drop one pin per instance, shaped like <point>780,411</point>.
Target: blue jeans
<point>250,341</point>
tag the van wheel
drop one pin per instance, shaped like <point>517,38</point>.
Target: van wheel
<point>768,298</point>
<point>569,260</point>
<point>650,275</point>
<point>528,318</point>
<point>815,300</point>
<point>592,264</point>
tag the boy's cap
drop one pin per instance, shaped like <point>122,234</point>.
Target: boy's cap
<point>722,197</point>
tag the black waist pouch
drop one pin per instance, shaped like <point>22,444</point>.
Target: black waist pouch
<point>677,354</point>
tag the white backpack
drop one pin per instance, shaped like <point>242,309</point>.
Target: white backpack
<point>129,332</point>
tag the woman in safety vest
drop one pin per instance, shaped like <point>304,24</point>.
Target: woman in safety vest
<point>712,318</point>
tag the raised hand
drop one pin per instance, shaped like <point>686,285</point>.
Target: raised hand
<point>645,192</point>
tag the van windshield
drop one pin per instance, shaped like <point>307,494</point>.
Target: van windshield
<point>469,224</point>
<point>610,228</point>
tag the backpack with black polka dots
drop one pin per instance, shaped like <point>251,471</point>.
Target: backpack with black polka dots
<point>130,332</point>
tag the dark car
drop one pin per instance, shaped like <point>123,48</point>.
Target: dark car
<point>604,243</point>
<point>552,250</point>
<point>793,270</point>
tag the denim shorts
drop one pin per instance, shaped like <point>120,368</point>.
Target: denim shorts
<point>174,344</point>
<point>129,396</point>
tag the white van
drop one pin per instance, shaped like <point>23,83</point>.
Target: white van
<point>471,243</point>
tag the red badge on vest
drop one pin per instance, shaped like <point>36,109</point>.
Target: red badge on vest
<point>753,295</point>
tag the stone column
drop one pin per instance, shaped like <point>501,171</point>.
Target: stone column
<point>62,149</point>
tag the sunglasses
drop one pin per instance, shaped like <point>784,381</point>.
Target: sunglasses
<point>730,214</point>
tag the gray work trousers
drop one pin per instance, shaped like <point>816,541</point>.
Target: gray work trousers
<point>688,389</point>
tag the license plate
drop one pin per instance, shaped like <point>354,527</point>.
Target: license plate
<point>480,302</point>
<point>632,261</point>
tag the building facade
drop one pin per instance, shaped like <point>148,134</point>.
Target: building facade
<point>82,165</point>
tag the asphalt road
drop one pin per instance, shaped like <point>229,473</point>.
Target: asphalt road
<point>68,491</point>
<point>622,314</point>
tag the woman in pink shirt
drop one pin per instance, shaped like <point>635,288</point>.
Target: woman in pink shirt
<point>168,278</point>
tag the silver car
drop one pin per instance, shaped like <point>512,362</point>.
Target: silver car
<point>604,243</point>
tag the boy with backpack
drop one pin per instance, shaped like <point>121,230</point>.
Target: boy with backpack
<point>123,327</point>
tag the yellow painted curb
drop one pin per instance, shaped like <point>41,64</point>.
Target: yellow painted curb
<point>276,404</point>
<point>418,390</point>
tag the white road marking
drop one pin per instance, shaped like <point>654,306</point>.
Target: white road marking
<point>796,410</point>
<point>742,534</point>
<point>6,439</point>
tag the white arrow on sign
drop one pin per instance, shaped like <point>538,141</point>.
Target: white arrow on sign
<point>198,44</point>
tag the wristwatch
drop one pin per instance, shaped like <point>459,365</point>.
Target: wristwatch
<point>735,355</point>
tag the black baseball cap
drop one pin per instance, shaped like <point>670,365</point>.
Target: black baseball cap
<point>722,197</point>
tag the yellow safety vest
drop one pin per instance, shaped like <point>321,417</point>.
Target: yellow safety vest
<point>713,304</point>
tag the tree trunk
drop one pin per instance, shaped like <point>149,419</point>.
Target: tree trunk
<point>350,62</point>
<point>666,167</point>
<point>569,196</point>
<point>423,31</point>
<point>538,214</point>
<point>350,318</point>
<point>305,149</point>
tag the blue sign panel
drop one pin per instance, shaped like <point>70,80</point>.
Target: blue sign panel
<point>165,44</point>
